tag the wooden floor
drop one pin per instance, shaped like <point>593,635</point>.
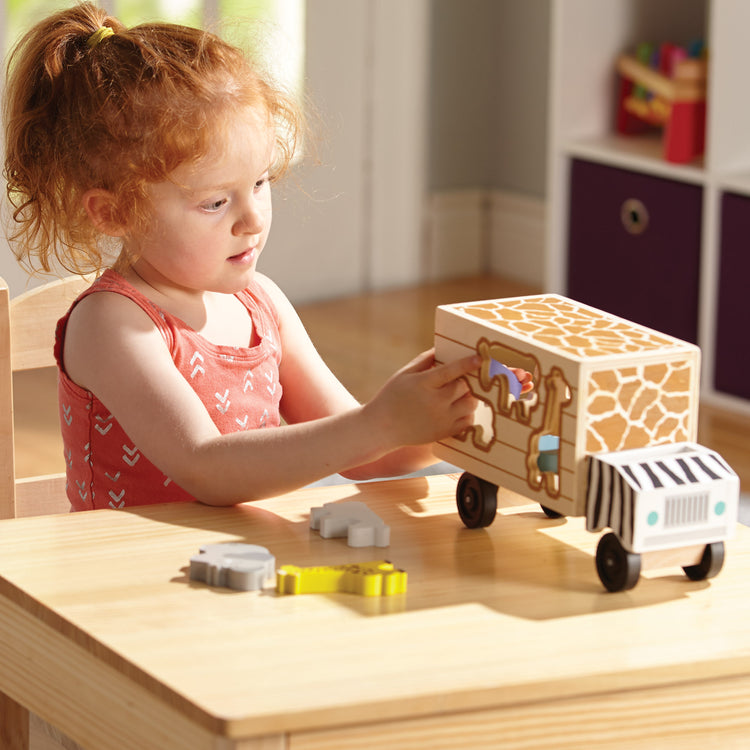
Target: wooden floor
<point>364,340</point>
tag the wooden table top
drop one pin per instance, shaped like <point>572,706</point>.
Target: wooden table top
<point>494,617</point>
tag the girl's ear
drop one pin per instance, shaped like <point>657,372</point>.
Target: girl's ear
<point>101,207</point>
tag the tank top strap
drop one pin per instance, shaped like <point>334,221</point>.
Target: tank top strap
<point>255,299</point>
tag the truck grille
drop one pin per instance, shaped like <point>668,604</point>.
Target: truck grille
<point>686,510</point>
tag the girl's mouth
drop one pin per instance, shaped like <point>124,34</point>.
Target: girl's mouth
<point>246,256</point>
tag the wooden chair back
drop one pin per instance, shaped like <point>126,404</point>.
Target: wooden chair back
<point>27,334</point>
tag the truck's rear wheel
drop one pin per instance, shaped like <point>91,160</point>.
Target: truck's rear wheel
<point>709,566</point>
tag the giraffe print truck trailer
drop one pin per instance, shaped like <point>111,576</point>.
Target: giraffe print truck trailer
<point>607,433</point>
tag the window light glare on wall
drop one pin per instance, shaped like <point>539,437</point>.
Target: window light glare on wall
<point>282,24</point>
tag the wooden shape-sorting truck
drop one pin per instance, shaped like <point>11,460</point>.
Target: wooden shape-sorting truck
<point>608,432</point>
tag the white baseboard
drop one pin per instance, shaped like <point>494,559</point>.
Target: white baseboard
<point>456,235</point>
<point>517,236</point>
<point>476,231</point>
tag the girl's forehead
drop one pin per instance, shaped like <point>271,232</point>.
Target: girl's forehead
<point>244,140</point>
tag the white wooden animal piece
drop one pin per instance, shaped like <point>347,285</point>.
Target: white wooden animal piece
<point>353,520</point>
<point>244,567</point>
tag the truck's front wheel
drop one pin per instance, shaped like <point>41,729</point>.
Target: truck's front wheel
<point>618,569</point>
<point>476,500</point>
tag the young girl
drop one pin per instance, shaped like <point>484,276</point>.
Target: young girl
<point>179,364</point>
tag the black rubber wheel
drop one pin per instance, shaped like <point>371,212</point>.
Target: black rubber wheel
<point>709,566</point>
<point>551,513</point>
<point>476,500</point>
<point>618,569</point>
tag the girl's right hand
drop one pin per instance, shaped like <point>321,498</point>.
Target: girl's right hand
<point>424,402</point>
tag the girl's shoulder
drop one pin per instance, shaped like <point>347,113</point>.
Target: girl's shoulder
<point>264,287</point>
<point>267,288</point>
<point>100,325</point>
<point>111,298</point>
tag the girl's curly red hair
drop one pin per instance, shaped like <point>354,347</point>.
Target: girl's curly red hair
<point>116,116</point>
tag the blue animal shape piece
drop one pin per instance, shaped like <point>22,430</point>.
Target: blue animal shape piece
<point>549,449</point>
<point>514,384</point>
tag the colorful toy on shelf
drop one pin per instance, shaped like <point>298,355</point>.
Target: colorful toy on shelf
<point>353,520</point>
<point>665,87</point>
<point>608,433</point>
<point>243,567</point>
<point>378,578</point>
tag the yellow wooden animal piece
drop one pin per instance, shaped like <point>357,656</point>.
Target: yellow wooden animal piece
<point>378,578</point>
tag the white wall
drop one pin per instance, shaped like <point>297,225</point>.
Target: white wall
<point>355,222</point>
<point>488,138</point>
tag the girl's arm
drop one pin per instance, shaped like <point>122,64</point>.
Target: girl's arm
<point>312,391</point>
<point>113,349</point>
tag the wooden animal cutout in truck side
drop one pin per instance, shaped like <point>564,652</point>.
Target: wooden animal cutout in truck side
<point>499,393</point>
<point>495,359</point>
<point>542,458</point>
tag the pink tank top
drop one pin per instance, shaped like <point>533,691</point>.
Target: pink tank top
<point>239,387</point>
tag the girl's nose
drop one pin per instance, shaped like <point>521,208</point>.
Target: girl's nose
<point>250,221</point>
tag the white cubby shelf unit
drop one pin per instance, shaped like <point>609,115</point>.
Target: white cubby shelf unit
<point>587,36</point>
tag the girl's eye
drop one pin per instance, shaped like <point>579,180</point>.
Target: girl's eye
<point>214,205</point>
<point>261,182</point>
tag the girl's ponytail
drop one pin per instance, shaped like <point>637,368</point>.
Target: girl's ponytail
<point>37,110</point>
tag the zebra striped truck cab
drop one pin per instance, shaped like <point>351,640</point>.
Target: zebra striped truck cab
<point>608,432</point>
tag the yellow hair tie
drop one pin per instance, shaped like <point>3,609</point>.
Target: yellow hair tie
<point>99,35</point>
